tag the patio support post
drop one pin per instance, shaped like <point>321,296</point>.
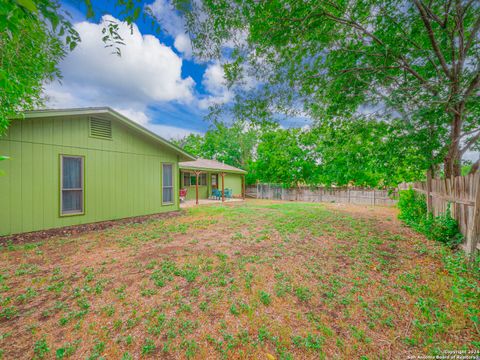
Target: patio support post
<point>196,185</point>
<point>223,186</point>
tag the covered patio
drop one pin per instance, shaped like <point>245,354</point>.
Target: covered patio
<point>205,181</point>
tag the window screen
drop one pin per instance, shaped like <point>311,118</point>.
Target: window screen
<point>72,185</point>
<point>167,183</point>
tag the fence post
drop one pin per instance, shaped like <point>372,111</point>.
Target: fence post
<point>429,190</point>
<point>373,197</point>
<point>474,237</point>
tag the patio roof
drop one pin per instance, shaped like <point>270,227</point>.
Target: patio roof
<point>209,165</point>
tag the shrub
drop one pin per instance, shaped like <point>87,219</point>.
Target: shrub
<point>303,293</point>
<point>413,212</point>
<point>41,348</point>
<point>265,298</point>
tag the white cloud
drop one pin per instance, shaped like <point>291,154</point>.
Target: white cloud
<point>183,44</point>
<point>148,72</point>
<point>135,115</point>
<point>147,78</point>
<point>174,24</point>
<point>214,82</point>
<point>170,132</point>
<point>214,79</point>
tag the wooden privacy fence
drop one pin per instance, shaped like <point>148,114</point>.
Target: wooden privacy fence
<point>462,195</point>
<point>322,194</point>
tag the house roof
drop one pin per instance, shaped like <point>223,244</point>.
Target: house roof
<point>115,115</point>
<point>205,164</point>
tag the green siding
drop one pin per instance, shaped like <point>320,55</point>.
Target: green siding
<point>122,175</point>
<point>234,182</point>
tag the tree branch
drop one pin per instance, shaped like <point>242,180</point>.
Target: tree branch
<point>434,17</point>
<point>399,58</point>
<point>369,69</point>
<point>433,41</point>
<point>470,142</point>
<point>469,133</point>
<point>475,167</point>
<point>447,12</point>
<point>474,84</point>
<point>473,36</point>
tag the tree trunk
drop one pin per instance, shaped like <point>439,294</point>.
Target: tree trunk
<point>452,161</point>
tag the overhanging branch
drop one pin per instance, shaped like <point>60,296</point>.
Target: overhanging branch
<point>424,16</point>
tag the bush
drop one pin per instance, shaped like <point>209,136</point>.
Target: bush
<point>413,212</point>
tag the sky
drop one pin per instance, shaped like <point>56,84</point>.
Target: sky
<point>155,82</point>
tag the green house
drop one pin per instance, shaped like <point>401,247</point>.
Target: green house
<point>200,178</point>
<point>77,166</point>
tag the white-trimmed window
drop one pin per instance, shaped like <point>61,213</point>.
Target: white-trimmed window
<point>71,185</point>
<point>167,184</point>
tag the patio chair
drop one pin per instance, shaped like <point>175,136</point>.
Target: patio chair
<point>183,195</point>
<point>216,194</point>
<point>228,193</point>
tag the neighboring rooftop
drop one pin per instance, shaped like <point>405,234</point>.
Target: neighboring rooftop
<point>205,164</point>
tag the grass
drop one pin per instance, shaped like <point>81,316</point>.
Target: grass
<point>261,280</point>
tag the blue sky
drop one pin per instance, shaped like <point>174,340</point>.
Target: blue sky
<point>156,81</point>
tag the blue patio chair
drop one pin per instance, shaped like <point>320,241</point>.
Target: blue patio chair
<point>217,194</point>
<point>228,193</point>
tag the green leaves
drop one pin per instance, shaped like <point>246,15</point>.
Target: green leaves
<point>32,47</point>
<point>334,60</point>
<point>28,4</point>
<point>358,152</point>
<point>23,75</point>
<point>413,211</point>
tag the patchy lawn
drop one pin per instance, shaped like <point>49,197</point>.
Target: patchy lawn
<point>260,280</point>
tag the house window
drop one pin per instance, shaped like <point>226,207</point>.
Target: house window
<point>186,179</point>
<point>190,179</point>
<point>167,183</point>
<point>72,185</point>
<point>214,180</point>
<point>202,179</point>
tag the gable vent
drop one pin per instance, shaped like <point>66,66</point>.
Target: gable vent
<point>100,128</point>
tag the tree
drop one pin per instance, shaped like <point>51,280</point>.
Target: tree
<point>413,62</point>
<point>30,51</point>
<point>234,145</point>
<point>288,157</point>
<point>365,152</point>
<point>35,35</point>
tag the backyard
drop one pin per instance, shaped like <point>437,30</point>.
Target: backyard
<point>261,280</point>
